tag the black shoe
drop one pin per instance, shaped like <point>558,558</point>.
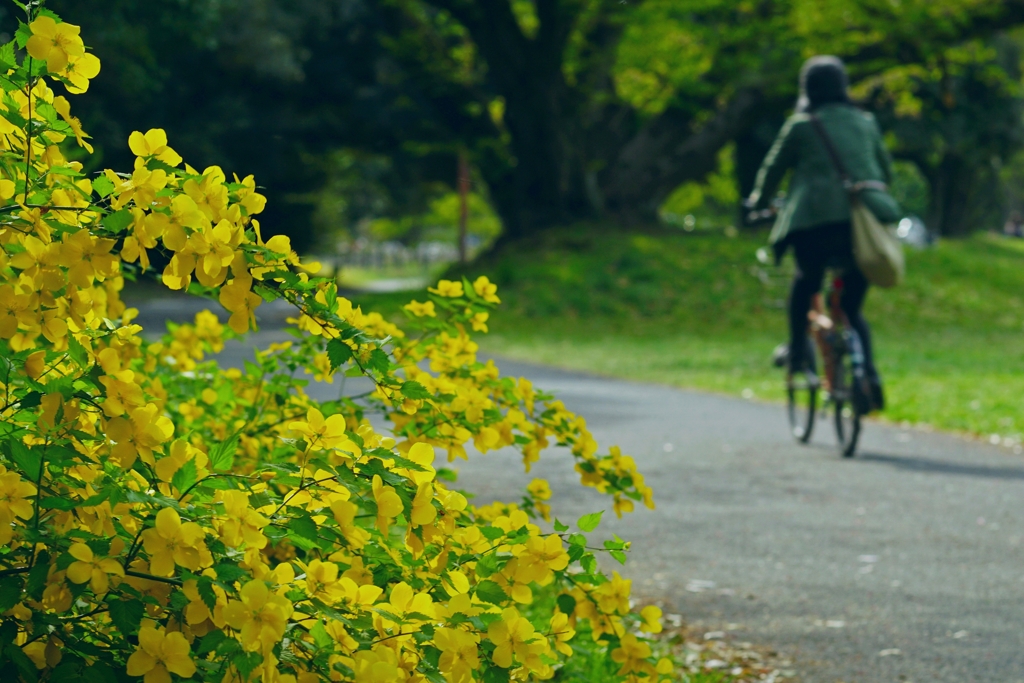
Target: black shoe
<point>877,395</point>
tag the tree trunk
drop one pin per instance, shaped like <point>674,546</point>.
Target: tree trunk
<point>577,152</point>
<point>959,197</point>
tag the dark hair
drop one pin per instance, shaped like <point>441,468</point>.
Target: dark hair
<point>823,80</point>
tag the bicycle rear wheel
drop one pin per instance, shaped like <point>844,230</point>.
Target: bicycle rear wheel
<point>847,395</point>
<point>802,401</point>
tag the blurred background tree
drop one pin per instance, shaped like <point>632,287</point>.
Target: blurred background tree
<point>568,109</point>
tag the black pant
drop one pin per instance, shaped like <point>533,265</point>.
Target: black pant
<point>826,246</point>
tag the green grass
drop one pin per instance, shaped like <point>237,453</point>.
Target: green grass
<point>697,310</point>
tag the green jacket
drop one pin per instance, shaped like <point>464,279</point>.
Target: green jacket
<point>816,194</point>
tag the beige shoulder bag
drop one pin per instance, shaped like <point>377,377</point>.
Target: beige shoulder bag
<point>876,249</point>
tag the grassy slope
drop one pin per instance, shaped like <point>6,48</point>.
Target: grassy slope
<point>697,310</point>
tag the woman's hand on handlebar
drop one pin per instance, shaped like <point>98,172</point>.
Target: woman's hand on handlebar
<point>753,216</point>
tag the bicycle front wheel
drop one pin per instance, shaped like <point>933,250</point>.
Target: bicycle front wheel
<point>846,396</point>
<point>802,406</point>
<point>802,400</point>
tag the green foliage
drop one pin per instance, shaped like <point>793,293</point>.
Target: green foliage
<point>697,310</point>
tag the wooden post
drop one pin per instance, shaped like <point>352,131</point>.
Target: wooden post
<point>463,204</point>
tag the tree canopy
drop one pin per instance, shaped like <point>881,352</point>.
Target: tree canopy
<point>568,109</point>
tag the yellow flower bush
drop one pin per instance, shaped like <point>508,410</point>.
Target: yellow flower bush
<point>162,518</point>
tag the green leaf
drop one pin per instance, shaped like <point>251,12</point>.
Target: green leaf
<point>157,165</point>
<point>94,672</point>
<point>322,639</point>
<point>7,58</point>
<point>185,476</point>
<point>54,503</point>
<point>618,555</point>
<point>10,592</point>
<point>489,591</point>
<point>229,573</point>
<point>589,522</point>
<point>415,391</point>
<point>103,186</point>
<point>210,642</point>
<point>37,576</point>
<point>24,665</point>
<point>118,221</point>
<point>126,615</point>
<point>492,533</point>
<point>559,527</point>
<point>246,663</point>
<point>77,351</point>
<point>566,603</point>
<point>222,456</point>
<point>379,361</point>
<point>305,528</point>
<point>496,674</point>
<point>446,474</point>
<point>487,565</point>
<point>338,352</point>
<point>205,587</point>
<point>28,460</point>
<point>22,35</point>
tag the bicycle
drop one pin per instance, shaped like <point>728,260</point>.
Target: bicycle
<point>843,382</point>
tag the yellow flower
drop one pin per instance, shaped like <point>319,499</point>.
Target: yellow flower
<point>14,493</point>
<point>540,491</point>
<point>172,542</point>
<point>652,619</point>
<point>345,515</point>
<point>486,290</point>
<point>79,72</point>
<point>423,511</point>
<point>379,665</point>
<point>237,296</point>
<point>562,633</point>
<point>55,43</point>
<point>631,654</point>
<point>447,288</point>
<point>613,595</point>
<point>91,568</point>
<point>459,654</point>
<point>63,108</point>
<point>197,611</point>
<point>540,558</point>
<point>419,310</point>
<point>260,616</point>
<point>479,321</point>
<point>514,635</point>
<point>137,435</point>
<point>324,433</point>
<point>153,144</point>
<point>241,523</point>
<point>322,582</point>
<point>158,653</point>
<point>389,505</point>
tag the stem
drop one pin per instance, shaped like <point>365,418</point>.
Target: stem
<point>16,570</point>
<point>161,579</point>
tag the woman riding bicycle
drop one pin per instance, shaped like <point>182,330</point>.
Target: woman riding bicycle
<point>815,220</point>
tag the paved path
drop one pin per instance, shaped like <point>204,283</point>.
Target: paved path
<point>904,564</point>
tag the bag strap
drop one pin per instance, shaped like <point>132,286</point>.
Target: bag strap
<point>832,152</point>
<point>850,186</point>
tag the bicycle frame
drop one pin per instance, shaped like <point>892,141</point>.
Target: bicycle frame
<point>827,334</point>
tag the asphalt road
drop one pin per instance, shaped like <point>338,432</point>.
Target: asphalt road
<point>901,565</point>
